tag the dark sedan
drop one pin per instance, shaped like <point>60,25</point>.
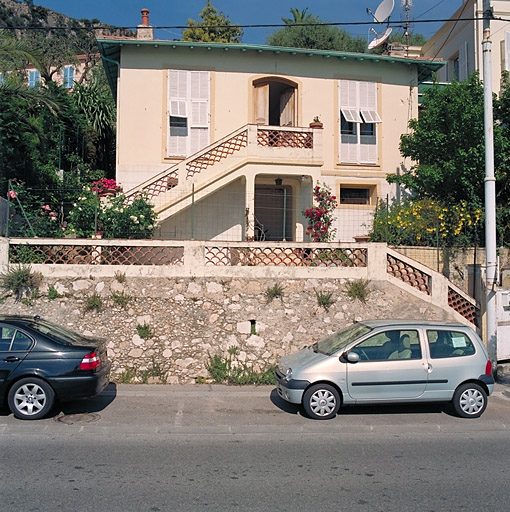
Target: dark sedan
<point>41,362</point>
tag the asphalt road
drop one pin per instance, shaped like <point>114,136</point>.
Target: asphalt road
<point>198,448</point>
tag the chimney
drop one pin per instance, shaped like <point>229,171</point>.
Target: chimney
<point>145,31</point>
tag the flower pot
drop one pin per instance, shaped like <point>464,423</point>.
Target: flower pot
<point>316,124</point>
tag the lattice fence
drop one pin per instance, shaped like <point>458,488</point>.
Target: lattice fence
<point>464,307</point>
<point>217,154</point>
<point>286,257</point>
<point>95,255</point>
<point>409,274</point>
<point>284,139</point>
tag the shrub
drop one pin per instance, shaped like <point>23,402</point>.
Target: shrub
<point>144,331</point>
<point>228,370</point>
<point>320,217</point>
<point>121,299</point>
<point>358,289</point>
<point>21,281</point>
<point>52,293</point>
<point>94,303</point>
<point>113,216</point>
<point>274,292</point>
<point>120,277</point>
<point>325,299</point>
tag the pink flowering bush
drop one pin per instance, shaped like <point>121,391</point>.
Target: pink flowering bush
<point>104,185</point>
<point>320,217</point>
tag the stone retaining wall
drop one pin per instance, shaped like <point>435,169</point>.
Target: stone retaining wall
<point>192,319</point>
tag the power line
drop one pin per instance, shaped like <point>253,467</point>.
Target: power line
<point>260,25</point>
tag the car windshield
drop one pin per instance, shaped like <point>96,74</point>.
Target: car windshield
<point>57,333</point>
<point>341,339</point>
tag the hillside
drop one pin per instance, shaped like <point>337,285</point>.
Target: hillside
<point>78,38</point>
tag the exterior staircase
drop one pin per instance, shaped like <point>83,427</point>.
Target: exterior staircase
<point>222,162</point>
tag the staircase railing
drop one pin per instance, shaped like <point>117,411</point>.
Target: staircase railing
<point>266,136</point>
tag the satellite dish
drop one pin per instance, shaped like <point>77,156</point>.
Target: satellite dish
<point>379,39</point>
<point>382,14</point>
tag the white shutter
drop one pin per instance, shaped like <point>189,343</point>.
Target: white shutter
<point>358,98</point>
<point>348,100</point>
<point>188,96</point>
<point>199,102</point>
<point>370,116</point>
<point>178,83</point>
<point>351,115</point>
<point>463,63</point>
<point>368,107</point>
<point>178,108</point>
<point>199,114</point>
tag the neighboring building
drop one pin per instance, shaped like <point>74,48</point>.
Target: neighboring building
<point>243,112</point>
<point>68,75</point>
<point>459,43</point>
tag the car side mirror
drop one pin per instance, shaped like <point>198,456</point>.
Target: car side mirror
<point>352,357</point>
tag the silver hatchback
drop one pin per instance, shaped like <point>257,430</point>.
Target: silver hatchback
<point>389,361</point>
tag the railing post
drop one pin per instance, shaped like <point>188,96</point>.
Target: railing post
<point>377,261</point>
<point>439,290</point>
<point>194,258</point>
<point>252,139</point>
<point>317,143</point>
<point>4,255</point>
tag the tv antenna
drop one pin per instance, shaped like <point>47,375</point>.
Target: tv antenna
<point>407,4</point>
<point>382,14</point>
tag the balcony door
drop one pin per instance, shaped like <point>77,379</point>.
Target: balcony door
<point>275,102</point>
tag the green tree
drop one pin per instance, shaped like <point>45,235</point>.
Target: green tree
<point>447,142</point>
<point>304,30</point>
<point>214,27</point>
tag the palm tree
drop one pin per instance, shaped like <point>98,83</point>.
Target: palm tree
<point>299,17</point>
<point>13,50</point>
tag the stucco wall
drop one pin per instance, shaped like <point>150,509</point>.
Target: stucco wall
<point>142,108</point>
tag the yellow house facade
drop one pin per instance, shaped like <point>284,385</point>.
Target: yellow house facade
<point>221,137</point>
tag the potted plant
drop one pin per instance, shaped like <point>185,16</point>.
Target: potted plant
<point>316,123</point>
<point>105,187</point>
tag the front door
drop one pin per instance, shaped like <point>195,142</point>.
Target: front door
<point>392,366</point>
<point>273,213</point>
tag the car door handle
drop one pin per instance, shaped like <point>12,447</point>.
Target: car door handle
<point>11,359</point>
<point>429,368</point>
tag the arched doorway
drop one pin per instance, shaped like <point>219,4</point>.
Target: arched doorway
<point>275,102</point>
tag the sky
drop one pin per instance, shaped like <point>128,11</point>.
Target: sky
<point>126,13</point>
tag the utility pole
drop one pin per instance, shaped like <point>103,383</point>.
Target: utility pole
<point>490,187</point>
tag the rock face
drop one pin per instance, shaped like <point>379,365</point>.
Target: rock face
<point>191,320</point>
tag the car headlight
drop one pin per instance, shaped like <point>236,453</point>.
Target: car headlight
<point>288,374</point>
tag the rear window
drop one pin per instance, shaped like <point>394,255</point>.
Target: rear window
<point>57,333</point>
<point>444,344</point>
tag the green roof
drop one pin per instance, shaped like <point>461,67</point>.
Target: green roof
<point>110,53</point>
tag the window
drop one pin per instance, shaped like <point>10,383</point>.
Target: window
<point>353,195</point>
<point>6,334</point>
<point>389,346</point>
<point>188,111</point>
<point>358,119</point>
<point>21,342</point>
<point>34,78</point>
<point>68,81</point>
<point>444,344</point>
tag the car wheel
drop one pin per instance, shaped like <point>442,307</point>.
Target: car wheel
<point>30,398</point>
<point>470,400</point>
<point>321,401</point>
